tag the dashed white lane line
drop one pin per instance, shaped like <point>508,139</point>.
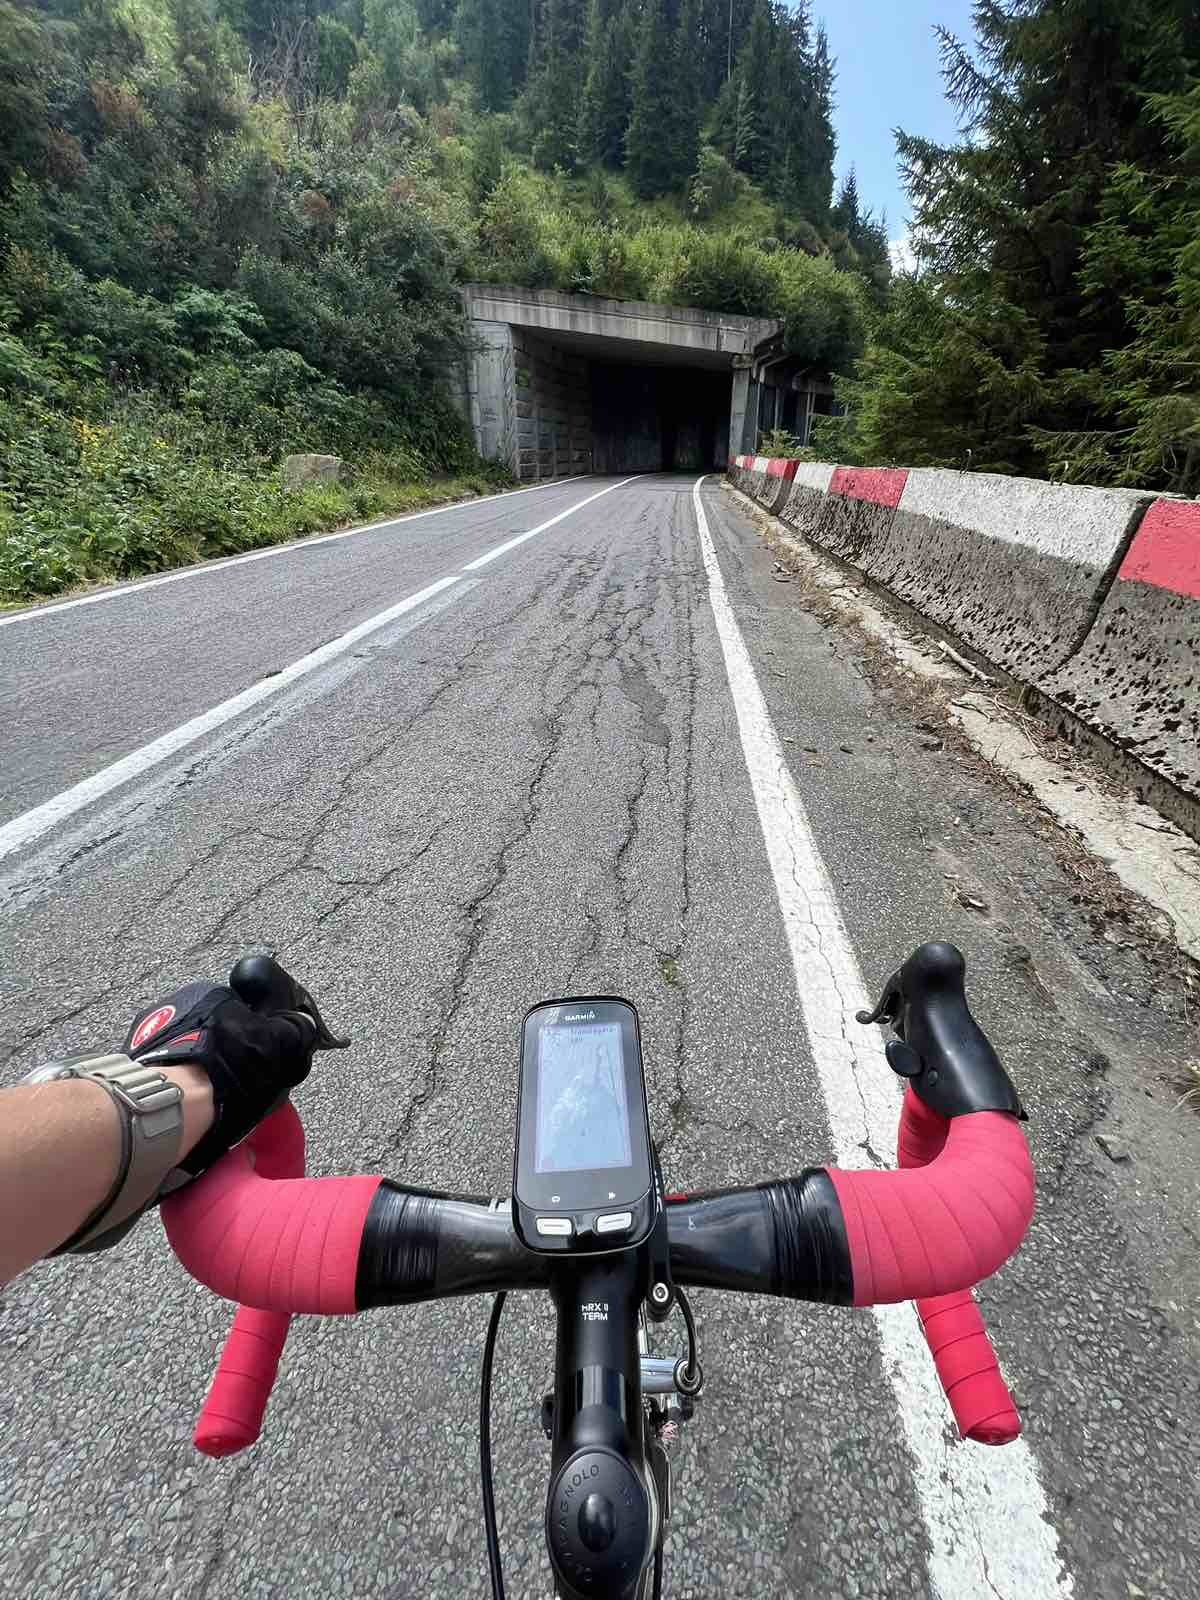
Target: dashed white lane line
<point>31,825</point>
<point>984,1509</point>
<point>511,544</point>
<point>296,547</point>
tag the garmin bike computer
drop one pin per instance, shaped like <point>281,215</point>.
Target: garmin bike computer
<point>582,1175</point>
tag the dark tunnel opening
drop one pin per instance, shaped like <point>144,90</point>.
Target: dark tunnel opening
<point>659,418</point>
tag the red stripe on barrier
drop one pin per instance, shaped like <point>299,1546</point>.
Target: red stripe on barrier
<point>882,486</point>
<point>1166,549</point>
<point>782,469</point>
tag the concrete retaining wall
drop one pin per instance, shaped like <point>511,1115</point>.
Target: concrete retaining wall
<point>1136,677</point>
<point>1090,596</point>
<point>553,422</point>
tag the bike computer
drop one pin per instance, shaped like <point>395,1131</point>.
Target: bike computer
<point>582,1174</point>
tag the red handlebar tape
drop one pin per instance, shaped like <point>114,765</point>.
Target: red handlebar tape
<point>286,1245</point>
<point>926,1232</point>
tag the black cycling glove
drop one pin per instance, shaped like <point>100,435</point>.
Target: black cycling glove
<point>252,1056</point>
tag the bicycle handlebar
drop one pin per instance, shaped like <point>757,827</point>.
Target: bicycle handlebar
<point>255,1231</point>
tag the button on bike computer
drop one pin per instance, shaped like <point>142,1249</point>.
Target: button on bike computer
<point>582,1177</point>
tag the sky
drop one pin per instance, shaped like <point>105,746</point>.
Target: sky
<point>888,77</point>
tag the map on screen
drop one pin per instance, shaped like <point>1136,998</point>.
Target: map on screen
<point>582,1111</point>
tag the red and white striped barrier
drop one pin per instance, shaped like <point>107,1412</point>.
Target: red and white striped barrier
<point>766,479</point>
<point>1015,566</point>
<point>1136,677</point>
<point>1090,595</point>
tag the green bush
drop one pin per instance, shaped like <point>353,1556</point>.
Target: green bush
<point>98,482</point>
<point>543,233</point>
<point>783,446</point>
<point>130,501</point>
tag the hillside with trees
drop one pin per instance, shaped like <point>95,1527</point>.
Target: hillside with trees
<point>1052,326</point>
<point>234,229</point>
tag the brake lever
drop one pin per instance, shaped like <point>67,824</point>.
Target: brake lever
<point>326,1039</point>
<point>901,1057</point>
<point>939,1046</point>
<point>890,1007</point>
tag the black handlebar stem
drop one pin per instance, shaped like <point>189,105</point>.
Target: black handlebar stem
<point>944,1053</point>
<point>600,1518</point>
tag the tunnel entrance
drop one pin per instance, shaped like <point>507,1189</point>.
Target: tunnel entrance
<point>556,383</point>
<point>659,418</point>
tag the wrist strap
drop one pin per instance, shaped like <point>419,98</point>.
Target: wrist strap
<point>151,1112</point>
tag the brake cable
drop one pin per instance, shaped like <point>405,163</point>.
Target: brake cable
<point>689,1374</point>
<point>485,1451</point>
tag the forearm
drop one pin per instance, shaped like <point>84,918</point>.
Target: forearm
<point>60,1150</point>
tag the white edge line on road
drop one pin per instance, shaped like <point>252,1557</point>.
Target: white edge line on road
<point>984,1509</point>
<point>31,825</point>
<point>292,547</point>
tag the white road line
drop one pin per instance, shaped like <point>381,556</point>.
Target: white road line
<point>984,1509</point>
<point>294,547</point>
<point>31,825</point>
<point>503,549</point>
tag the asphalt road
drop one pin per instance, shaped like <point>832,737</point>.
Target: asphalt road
<point>532,782</point>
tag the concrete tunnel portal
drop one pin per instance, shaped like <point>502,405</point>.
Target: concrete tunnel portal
<point>558,384</point>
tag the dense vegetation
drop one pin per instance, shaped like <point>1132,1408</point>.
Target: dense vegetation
<point>233,229</point>
<point>1053,324</point>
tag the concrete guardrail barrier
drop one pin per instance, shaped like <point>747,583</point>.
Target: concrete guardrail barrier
<point>1136,677</point>
<point>1014,566</point>
<point>766,479</point>
<point>858,511</point>
<point>1091,596</point>
<point>810,488</point>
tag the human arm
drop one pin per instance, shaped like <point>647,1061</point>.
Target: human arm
<point>60,1155</point>
<point>64,1160</point>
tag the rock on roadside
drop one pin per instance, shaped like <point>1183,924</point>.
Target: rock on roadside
<point>299,470</point>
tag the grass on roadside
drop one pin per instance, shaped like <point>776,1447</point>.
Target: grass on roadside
<point>84,535</point>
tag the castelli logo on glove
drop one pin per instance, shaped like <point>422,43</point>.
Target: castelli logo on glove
<point>150,1025</point>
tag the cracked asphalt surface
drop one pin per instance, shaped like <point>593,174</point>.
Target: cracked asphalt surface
<point>535,786</point>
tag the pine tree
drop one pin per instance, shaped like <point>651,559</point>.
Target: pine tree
<point>747,138</point>
<point>847,213</point>
<point>713,29</point>
<point>748,94</point>
<point>494,38</point>
<point>721,30</point>
<point>604,114</point>
<point>1010,345</point>
<point>1145,430</point>
<point>689,89</point>
<point>651,151</point>
<point>820,144</point>
<point>555,88</point>
<point>1055,98</point>
<point>786,94</point>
